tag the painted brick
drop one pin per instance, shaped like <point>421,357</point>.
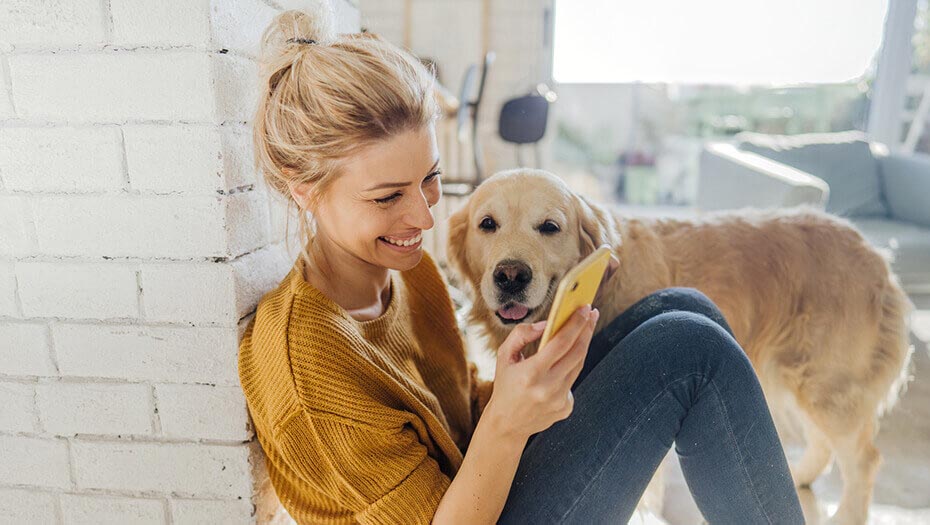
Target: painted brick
<point>238,157</point>
<point>176,468</point>
<point>6,104</point>
<point>197,512</point>
<point>34,461</point>
<point>236,101</point>
<point>68,159</point>
<point>257,273</point>
<point>114,87</point>
<point>51,22</point>
<point>140,353</point>
<point>177,158</point>
<point>203,412</point>
<point>17,237</point>
<point>247,222</point>
<point>193,293</point>
<point>66,409</point>
<point>26,506</point>
<point>78,290</point>
<point>8,291</point>
<point>102,510</point>
<point>18,402</point>
<point>166,22</point>
<point>25,350</point>
<point>238,26</point>
<point>116,226</point>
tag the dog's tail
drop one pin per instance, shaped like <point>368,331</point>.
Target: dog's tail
<point>893,352</point>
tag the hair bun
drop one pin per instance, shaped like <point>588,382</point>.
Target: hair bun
<point>296,26</point>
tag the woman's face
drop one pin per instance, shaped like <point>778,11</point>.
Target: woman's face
<point>384,195</point>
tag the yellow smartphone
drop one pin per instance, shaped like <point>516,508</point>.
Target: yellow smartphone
<point>577,288</point>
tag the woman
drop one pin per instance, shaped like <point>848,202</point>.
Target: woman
<point>354,369</point>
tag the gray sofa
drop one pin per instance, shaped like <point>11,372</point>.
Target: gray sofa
<point>886,196</point>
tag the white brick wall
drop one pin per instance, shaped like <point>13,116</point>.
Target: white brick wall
<point>68,409</point>
<point>25,349</point>
<point>135,242</point>
<point>34,461</point>
<point>77,290</point>
<point>61,159</point>
<point>96,510</point>
<point>27,506</point>
<point>198,512</point>
<point>160,23</point>
<point>188,469</point>
<point>18,402</point>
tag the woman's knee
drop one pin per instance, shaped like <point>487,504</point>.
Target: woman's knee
<point>681,298</point>
<point>691,339</point>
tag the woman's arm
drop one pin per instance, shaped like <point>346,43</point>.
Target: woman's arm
<point>479,490</point>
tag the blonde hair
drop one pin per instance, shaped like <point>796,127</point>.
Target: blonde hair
<point>321,102</point>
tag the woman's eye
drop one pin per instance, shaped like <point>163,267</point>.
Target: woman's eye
<point>549,227</point>
<point>387,199</point>
<point>391,198</point>
<point>432,176</point>
<point>487,224</point>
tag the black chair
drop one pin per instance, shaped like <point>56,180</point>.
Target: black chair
<point>523,121</point>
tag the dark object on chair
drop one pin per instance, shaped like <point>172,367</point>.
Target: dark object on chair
<point>470,96</point>
<point>523,120</point>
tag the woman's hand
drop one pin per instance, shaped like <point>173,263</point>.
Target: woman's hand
<point>533,393</point>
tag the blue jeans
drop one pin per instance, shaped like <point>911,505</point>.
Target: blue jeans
<point>666,369</point>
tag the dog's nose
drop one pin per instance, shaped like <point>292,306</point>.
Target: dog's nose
<point>512,276</point>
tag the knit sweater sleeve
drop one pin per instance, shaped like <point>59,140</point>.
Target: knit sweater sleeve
<point>382,476</point>
<point>481,391</point>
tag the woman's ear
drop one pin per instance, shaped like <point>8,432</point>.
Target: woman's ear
<point>455,245</point>
<point>300,191</point>
<point>595,226</point>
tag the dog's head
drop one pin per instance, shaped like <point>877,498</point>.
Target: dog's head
<point>515,238</point>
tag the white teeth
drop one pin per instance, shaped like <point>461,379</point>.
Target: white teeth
<point>409,242</point>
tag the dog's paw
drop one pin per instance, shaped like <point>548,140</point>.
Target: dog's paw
<point>802,479</point>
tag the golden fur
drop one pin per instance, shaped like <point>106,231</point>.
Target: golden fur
<point>816,308</point>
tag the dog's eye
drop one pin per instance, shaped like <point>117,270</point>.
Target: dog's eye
<point>548,227</point>
<point>487,224</point>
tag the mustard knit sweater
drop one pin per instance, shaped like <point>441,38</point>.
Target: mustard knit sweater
<point>361,421</point>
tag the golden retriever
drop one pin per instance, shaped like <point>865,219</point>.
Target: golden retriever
<point>816,308</point>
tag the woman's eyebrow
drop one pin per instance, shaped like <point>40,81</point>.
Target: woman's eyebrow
<point>398,184</point>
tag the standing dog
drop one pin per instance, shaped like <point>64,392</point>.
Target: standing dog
<point>817,310</point>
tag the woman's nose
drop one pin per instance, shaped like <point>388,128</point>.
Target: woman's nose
<point>420,215</point>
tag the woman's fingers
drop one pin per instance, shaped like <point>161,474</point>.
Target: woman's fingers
<point>571,359</point>
<point>521,335</point>
<point>562,341</point>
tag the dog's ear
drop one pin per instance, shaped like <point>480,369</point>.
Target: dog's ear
<point>455,243</point>
<point>595,226</point>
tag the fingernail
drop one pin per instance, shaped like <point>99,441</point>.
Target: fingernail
<point>586,311</point>
<point>595,314</point>
<point>539,325</point>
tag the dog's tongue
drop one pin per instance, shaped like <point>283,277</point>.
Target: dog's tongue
<point>513,311</point>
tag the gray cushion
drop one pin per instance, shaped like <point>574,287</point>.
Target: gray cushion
<point>906,185</point>
<point>843,160</point>
<point>907,243</point>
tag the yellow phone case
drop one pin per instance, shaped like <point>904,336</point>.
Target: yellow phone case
<point>577,288</point>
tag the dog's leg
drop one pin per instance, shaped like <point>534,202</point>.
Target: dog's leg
<point>817,455</point>
<point>858,460</point>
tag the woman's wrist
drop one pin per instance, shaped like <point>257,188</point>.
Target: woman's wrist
<point>498,423</point>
